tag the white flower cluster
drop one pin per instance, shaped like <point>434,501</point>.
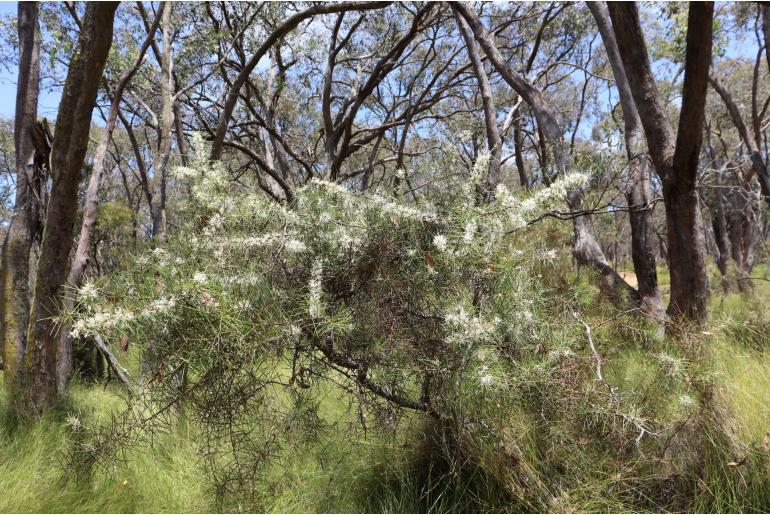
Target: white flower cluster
<point>209,180</point>
<point>485,377</point>
<point>480,168</point>
<point>105,319</point>
<point>400,211</point>
<point>385,206</point>
<point>88,292</point>
<point>671,365</point>
<point>467,329</point>
<point>239,280</point>
<point>161,256</point>
<point>518,211</point>
<point>315,306</point>
<point>469,232</point>
<point>440,242</point>
<point>100,321</point>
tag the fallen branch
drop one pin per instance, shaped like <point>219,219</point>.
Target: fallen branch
<point>120,372</point>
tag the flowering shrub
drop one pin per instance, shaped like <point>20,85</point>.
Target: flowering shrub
<point>408,307</point>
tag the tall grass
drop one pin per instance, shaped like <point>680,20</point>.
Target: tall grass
<point>164,477</point>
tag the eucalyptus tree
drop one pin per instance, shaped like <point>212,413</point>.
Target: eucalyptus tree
<point>750,139</point>
<point>638,190</point>
<point>25,223</point>
<point>81,258</point>
<point>68,152</point>
<point>737,115</point>
<point>494,141</point>
<point>234,90</point>
<point>675,157</point>
<point>585,245</point>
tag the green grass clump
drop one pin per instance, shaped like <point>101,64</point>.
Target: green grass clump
<point>164,477</point>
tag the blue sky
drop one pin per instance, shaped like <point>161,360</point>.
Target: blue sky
<point>49,101</point>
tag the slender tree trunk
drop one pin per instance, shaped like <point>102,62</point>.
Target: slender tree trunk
<point>740,230</point>
<point>541,145</point>
<point>494,142</point>
<point>638,191</point>
<point>70,144</point>
<point>80,261</point>
<point>721,237</point>
<point>166,127</point>
<point>18,241</point>
<point>765,9</point>
<point>718,215</point>
<point>518,147</point>
<point>181,141</point>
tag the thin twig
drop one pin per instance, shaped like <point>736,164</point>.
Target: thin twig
<point>597,356</point>
<point>121,372</point>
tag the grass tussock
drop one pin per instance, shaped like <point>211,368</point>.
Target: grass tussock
<point>164,477</point>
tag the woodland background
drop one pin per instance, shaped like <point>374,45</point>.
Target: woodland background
<point>380,256</point>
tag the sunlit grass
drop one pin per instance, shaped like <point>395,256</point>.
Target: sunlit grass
<point>164,477</point>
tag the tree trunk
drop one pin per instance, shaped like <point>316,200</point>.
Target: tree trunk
<point>18,241</point>
<point>518,146</point>
<point>638,191</point>
<point>765,9</point>
<point>70,144</point>
<point>181,141</point>
<point>80,261</point>
<point>719,224</point>
<point>686,254</point>
<point>494,142</point>
<point>675,158</point>
<point>740,230</point>
<point>165,129</point>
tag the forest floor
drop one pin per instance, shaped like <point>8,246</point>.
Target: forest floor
<point>347,470</point>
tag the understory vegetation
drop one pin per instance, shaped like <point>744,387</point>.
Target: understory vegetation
<point>360,355</point>
<point>717,461</point>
